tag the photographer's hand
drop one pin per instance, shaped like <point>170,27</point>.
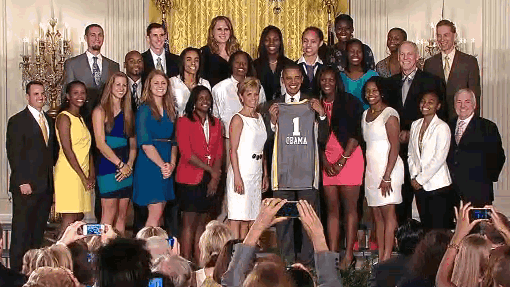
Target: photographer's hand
<point>313,226</point>
<point>265,219</point>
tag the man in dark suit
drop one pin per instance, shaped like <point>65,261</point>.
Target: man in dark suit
<point>476,154</point>
<point>31,152</point>
<point>407,88</point>
<point>91,68</point>
<point>156,57</point>
<point>292,78</point>
<point>133,62</point>
<point>459,70</point>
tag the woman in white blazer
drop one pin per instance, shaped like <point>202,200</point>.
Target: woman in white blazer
<point>429,144</point>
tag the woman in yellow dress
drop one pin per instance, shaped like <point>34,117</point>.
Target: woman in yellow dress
<point>74,170</point>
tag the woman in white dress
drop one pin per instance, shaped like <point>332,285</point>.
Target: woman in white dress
<point>385,170</point>
<point>247,175</point>
<point>188,78</point>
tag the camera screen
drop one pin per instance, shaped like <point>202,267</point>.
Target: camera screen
<point>94,229</point>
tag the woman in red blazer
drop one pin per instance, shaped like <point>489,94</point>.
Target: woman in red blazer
<point>198,172</point>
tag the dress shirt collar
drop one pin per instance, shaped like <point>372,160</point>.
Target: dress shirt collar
<point>317,60</point>
<point>91,56</point>
<point>411,75</point>
<point>236,82</point>
<point>296,97</point>
<point>451,55</point>
<point>466,121</point>
<point>36,114</point>
<point>131,82</point>
<point>155,59</point>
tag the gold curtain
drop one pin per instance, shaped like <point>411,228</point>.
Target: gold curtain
<point>189,20</point>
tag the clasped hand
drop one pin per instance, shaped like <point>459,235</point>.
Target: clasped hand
<point>167,169</point>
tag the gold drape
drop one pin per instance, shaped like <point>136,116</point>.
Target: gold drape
<point>189,20</point>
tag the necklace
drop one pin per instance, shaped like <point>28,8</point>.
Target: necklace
<point>272,63</point>
<point>375,111</point>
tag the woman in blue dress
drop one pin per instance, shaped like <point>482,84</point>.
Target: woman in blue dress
<point>114,131</point>
<point>157,155</point>
<point>356,72</point>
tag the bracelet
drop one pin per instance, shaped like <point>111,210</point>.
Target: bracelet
<point>453,246</point>
<point>120,165</point>
<point>387,181</point>
<point>346,157</point>
<point>340,164</point>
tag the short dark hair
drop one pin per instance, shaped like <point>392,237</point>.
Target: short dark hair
<point>349,43</point>
<point>381,84</point>
<point>429,252</point>
<point>155,26</point>
<point>408,236</point>
<point>251,69</point>
<point>300,277</point>
<point>292,66</point>
<point>87,29</point>
<point>31,83</point>
<point>74,83</point>
<point>314,29</point>
<point>434,93</point>
<point>124,262</point>
<point>448,23</point>
<point>344,17</point>
<point>402,31</point>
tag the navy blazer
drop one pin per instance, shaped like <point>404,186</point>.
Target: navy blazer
<point>172,64</point>
<point>476,161</point>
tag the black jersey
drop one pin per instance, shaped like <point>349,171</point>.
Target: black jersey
<point>295,152</point>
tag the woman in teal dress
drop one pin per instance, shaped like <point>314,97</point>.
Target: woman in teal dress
<point>157,155</point>
<point>356,72</point>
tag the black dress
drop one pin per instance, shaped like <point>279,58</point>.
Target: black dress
<point>270,81</point>
<point>215,68</point>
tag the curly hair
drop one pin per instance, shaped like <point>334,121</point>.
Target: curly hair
<point>232,43</point>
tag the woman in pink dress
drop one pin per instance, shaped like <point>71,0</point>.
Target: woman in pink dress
<point>342,159</point>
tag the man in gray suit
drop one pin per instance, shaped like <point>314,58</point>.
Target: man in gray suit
<point>459,70</point>
<point>91,68</point>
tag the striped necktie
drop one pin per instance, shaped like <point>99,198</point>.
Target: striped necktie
<point>96,72</point>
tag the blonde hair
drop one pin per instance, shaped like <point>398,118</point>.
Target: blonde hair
<point>211,242</point>
<point>62,256</point>
<point>471,261</point>
<point>168,98</point>
<point>28,258</point>
<point>175,267</point>
<point>248,83</point>
<point>268,274</point>
<point>50,277</point>
<point>150,231</point>
<point>232,44</point>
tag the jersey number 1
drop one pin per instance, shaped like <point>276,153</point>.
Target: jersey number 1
<point>296,132</point>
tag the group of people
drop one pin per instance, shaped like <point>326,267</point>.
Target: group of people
<point>331,124</point>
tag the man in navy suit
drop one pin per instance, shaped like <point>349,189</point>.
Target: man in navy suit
<point>31,152</point>
<point>133,63</point>
<point>156,57</point>
<point>476,154</point>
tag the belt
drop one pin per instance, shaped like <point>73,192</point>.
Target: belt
<point>256,156</point>
<point>163,140</point>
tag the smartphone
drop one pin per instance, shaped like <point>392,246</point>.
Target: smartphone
<point>156,282</point>
<point>289,209</point>
<point>92,229</point>
<point>480,213</point>
<point>91,257</point>
<point>171,242</point>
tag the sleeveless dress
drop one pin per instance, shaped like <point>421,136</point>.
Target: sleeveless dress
<point>378,148</point>
<point>355,87</point>
<point>108,186</point>
<point>70,193</point>
<point>352,172</point>
<point>149,186</point>
<point>251,145</point>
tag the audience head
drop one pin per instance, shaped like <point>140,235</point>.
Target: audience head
<point>268,274</point>
<point>156,36</point>
<point>493,234</point>
<point>36,96</point>
<point>190,63</point>
<point>498,270</point>
<point>429,253</point>
<point>117,89</point>
<point>51,277</point>
<point>241,65</point>
<point>124,262</point>
<point>430,103</point>
<point>202,99</point>
<point>224,259</point>
<point>157,85</point>
<point>311,40</point>
<point>61,256</point>
<point>76,95</point>
<point>445,33</point>
<point>471,261</point>
<point>133,62</point>
<point>157,247</point>
<point>408,56</point>
<point>408,235</point>
<point>221,33</point>
<point>374,91</point>
<point>248,91</point>
<point>395,37</point>
<point>344,27</point>
<point>465,103</point>
<point>82,268</point>
<point>300,276</point>
<point>211,242</point>
<point>29,260</point>
<point>271,42</point>
<point>354,56</point>
<point>329,80</point>
<point>150,231</point>
<point>94,36</point>
<point>165,280</point>
<point>292,78</point>
<point>176,268</point>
